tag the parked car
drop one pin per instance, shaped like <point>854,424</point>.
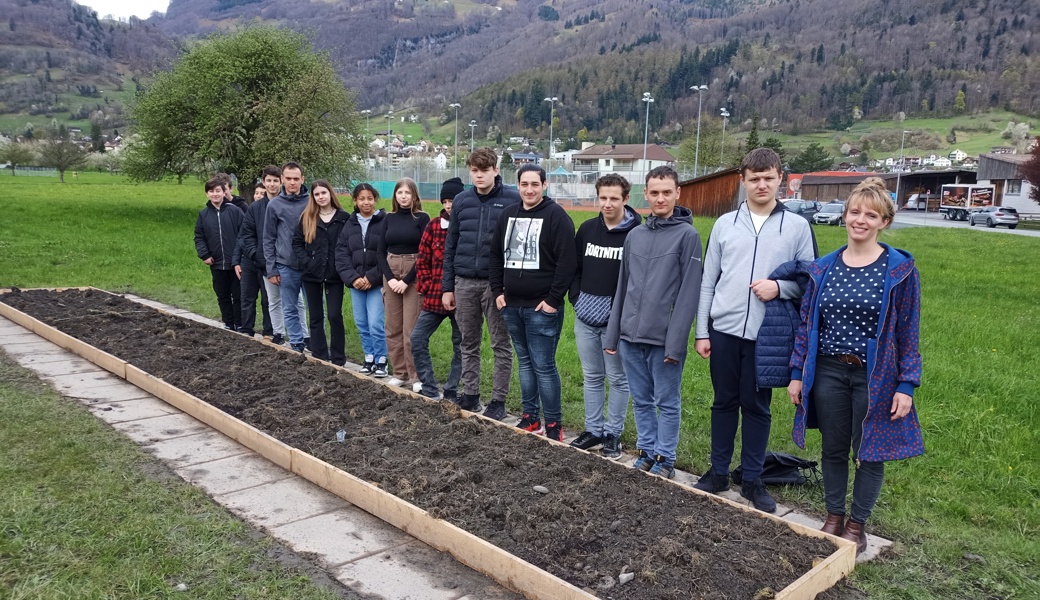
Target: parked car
<point>830,214</point>
<point>805,208</point>
<point>992,216</point>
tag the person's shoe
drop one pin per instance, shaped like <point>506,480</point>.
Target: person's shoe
<point>247,332</point>
<point>645,462</point>
<point>662,468</point>
<point>530,423</point>
<point>857,533</point>
<point>554,431</point>
<point>417,387</point>
<point>297,347</point>
<point>379,371</point>
<point>395,381</point>
<point>266,334</point>
<point>712,482</point>
<point>307,344</point>
<point>433,396</point>
<point>586,440</point>
<point>833,524</point>
<point>611,449</point>
<point>277,339</point>
<point>369,365</point>
<point>452,395</point>
<point>496,410</point>
<point>230,327</point>
<point>755,491</point>
<point>470,402</point>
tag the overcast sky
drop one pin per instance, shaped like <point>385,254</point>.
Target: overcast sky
<point>125,8</point>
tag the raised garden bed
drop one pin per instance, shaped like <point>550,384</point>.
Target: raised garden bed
<point>598,520</point>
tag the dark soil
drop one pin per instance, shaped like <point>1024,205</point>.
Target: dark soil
<point>598,519</point>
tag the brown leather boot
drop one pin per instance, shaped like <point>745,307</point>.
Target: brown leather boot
<point>833,524</point>
<point>855,532</point>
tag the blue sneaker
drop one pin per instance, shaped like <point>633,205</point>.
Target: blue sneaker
<point>297,347</point>
<point>662,468</point>
<point>645,462</point>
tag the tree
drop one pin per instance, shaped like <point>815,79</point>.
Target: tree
<point>242,100</point>
<point>60,151</point>
<point>16,154</point>
<point>959,102</point>
<point>813,158</point>
<point>752,138</point>
<point>1030,170</point>
<point>774,143</point>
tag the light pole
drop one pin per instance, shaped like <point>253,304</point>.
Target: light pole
<point>472,128</point>
<point>697,148</point>
<point>389,115</point>
<point>552,112</point>
<point>455,158</point>
<point>368,115</point>
<point>899,174</point>
<point>722,154</point>
<point>646,130</point>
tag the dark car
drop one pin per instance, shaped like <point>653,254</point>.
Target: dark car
<point>805,208</point>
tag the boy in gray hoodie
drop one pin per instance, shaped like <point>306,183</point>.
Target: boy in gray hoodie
<point>654,306</point>
<point>744,247</point>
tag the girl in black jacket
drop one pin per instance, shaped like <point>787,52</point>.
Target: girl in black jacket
<point>314,246</point>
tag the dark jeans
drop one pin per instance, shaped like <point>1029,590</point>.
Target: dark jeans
<point>229,297</point>
<point>732,366</point>
<point>428,323</point>
<point>535,336</point>
<point>332,294</point>
<point>252,284</point>
<point>840,396</point>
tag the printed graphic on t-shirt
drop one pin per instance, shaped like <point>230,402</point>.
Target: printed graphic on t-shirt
<point>521,245</point>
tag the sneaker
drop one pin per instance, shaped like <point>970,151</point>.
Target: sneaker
<point>662,468</point>
<point>266,334</point>
<point>530,423</point>
<point>586,441</point>
<point>395,381</point>
<point>470,402</point>
<point>645,462</point>
<point>297,348</point>
<point>554,431</point>
<point>452,395</point>
<point>417,387</point>
<point>380,370</point>
<point>611,449</point>
<point>433,396</point>
<point>712,482</point>
<point>307,344</point>
<point>247,332</point>
<point>230,327</point>
<point>277,339</point>
<point>496,410</point>
<point>755,491</point>
<point>367,368</point>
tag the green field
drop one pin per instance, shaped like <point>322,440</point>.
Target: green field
<point>965,516</point>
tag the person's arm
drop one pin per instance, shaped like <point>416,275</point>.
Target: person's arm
<point>579,247</point>
<point>613,332</point>
<point>424,220</point>
<point>712,266</point>
<point>791,289</point>
<point>299,247</point>
<point>247,236</point>
<point>270,237</point>
<point>201,247</point>
<point>908,332</point>
<point>496,259</point>
<point>562,229</point>
<point>677,338</point>
<point>450,244</point>
<point>381,249</point>
<point>424,263</point>
<point>344,258</point>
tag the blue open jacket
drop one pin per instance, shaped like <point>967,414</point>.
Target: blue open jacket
<point>775,341</point>
<point>893,360</point>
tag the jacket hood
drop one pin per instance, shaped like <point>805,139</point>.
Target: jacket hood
<point>223,205</point>
<point>303,195</point>
<point>900,261</point>
<point>631,220</point>
<point>545,203</point>
<point>680,215</point>
<point>445,215</point>
<point>376,216</point>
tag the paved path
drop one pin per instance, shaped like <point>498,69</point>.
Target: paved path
<point>364,553</point>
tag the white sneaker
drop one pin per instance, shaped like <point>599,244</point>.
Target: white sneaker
<point>417,387</point>
<point>395,381</point>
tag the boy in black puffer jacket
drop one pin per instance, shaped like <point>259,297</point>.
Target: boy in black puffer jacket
<point>216,233</point>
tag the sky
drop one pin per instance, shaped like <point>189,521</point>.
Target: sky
<point>126,8</point>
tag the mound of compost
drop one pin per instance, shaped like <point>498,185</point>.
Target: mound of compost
<point>597,520</point>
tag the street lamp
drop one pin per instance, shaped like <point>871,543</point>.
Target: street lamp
<point>697,148</point>
<point>472,128</point>
<point>722,154</point>
<point>455,159</point>
<point>389,115</point>
<point>646,130</point>
<point>368,115</point>
<point>899,174</point>
<point>552,112</point>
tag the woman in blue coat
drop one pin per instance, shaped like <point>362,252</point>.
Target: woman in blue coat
<point>856,361</point>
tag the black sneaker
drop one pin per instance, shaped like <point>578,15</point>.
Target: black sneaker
<point>380,370</point>
<point>645,462</point>
<point>247,332</point>
<point>587,440</point>
<point>368,368</point>
<point>277,339</point>
<point>554,431</point>
<point>755,491</point>
<point>470,402</point>
<point>496,410</point>
<point>712,482</point>
<point>611,449</point>
<point>307,344</point>
<point>230,327</point>
<point>297,347</point>
<point>452,395</point>
<point>530,423</point>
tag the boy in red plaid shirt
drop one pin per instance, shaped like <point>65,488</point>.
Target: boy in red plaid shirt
<point>429,270</point>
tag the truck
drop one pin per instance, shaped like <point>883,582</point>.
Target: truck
<point>958,200</point>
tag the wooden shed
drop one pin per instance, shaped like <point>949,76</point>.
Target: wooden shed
<point>712,195</point>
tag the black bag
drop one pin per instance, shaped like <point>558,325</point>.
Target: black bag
<point>784,469</point>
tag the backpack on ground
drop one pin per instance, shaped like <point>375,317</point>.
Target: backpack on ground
<point>784,469</point>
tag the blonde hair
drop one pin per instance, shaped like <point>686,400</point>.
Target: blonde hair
<point>873,195</point>
<point>309,219</point>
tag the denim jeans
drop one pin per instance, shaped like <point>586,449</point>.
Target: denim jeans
<point>596,367</point>
<point>535,336</point>
<point>252,285</point>
<point>428,323</point>
<point>274,306</point>
<point>332,293</point>
<point>368,317</point>
<point>289,289</point>
<point>840,396</point>
<point>655,397</point>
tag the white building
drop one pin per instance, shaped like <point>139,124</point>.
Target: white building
<point>624,159</point>
<point>958,155</point>
<point>1011,189</point>
<point>440,161</point>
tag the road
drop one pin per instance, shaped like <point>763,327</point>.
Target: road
<point>910,218</point>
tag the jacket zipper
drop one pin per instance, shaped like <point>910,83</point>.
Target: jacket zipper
<point>220,234</point>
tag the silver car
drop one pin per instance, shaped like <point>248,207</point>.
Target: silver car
<point>830,214</point>
<point>991,216</point>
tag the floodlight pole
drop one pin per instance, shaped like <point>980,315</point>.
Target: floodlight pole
<point>455,158</point>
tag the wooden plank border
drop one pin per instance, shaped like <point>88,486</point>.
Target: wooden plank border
<point>508,570</point>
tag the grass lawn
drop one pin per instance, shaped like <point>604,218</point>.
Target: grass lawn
<point>85,514</point>
<point>976,493</point>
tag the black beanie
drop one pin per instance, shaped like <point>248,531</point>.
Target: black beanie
<point>451,188</point>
